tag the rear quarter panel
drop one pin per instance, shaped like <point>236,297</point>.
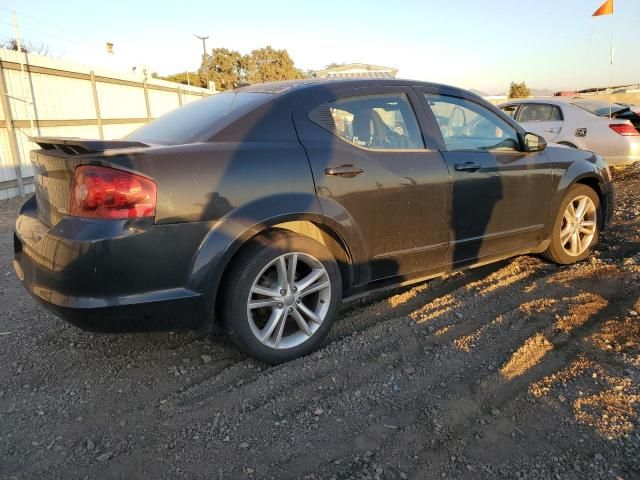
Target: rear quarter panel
<point>248,182</point>
<point>600,138</point>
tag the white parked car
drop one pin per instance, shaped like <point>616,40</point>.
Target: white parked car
<point>582,123</point>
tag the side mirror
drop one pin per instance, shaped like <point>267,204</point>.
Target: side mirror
<point>534,143</point>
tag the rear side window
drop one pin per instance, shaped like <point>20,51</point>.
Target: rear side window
<point>380,122</point>
<point>556,115</point>
<point>510,110</point>
<point>200,120</point>
<point>539,112</point>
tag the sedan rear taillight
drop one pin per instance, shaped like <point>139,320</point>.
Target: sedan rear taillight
<point>624,129</point>
<point>101,192</point>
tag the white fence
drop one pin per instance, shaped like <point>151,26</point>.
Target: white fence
<point>48,97</point>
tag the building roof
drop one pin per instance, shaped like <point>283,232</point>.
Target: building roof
<point>358,70</point>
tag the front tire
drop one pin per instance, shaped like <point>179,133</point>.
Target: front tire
<point>281,296</point>
<point>577,226</point>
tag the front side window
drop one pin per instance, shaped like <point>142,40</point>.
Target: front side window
<point>538,112</point>
<point>466,125</point>
<point>381,122</point>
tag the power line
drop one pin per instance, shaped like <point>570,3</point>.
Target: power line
<point>46,22</point>
<point>41,32</point>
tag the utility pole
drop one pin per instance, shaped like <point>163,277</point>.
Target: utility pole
<point>204,54</point>
<point>204,44</point>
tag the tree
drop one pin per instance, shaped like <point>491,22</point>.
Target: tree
<point>518,90</point>
<point>269,65</point>
<point>224,67</point>
<point>25,47</point>
<point>229,69</point>
<point>334,65</point>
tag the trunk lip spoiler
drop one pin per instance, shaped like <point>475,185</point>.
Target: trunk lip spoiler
<point>80,145</point>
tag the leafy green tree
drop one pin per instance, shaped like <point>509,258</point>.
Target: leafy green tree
<point>224,67</point>
<point>229,69</point>
<point>518,90</point>
<point>270,65</point>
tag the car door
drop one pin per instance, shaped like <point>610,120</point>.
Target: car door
<point>378,177</point>
<point>500,194</point>
<point>543,119</point>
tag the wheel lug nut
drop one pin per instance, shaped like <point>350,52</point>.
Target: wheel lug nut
<point>282,291</point>
<point>294,289</point>
<point>297,300</point>
<point>290,309</point>
<point>280,305</point>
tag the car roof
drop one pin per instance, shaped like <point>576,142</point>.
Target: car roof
<point>549,100</point>
<point>311,84</point>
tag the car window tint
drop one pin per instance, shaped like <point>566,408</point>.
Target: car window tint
<point>466,125</point>
<point>382,122</point>
<point>199,120</point>
<point>535,112</point>
<point>510,110</point>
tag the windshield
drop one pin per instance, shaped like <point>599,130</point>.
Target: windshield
<point>199,120</point>
<point>601,109</point>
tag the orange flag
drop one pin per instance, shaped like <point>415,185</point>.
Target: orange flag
<point>605,9</point>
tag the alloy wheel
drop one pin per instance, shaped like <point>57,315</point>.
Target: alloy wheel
<point>289,300</point>
<point>579,225</point>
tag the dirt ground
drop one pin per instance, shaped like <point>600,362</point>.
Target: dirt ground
<point>516,370</point>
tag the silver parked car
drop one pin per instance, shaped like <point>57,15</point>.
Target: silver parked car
<point>611,131</point>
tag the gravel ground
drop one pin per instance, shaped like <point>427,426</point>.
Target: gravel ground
<point>520,369</point>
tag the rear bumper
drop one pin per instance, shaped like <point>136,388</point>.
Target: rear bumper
<point>108,276</point>
<point>625,153</point>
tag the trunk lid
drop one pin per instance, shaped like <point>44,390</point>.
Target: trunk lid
<point>54,167</point>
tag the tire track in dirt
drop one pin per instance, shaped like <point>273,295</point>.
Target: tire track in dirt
<point>461,415</point>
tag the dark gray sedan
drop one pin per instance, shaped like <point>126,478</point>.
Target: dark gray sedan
<point>263,208</point>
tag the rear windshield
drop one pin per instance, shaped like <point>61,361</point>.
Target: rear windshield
<point>199,120</point>
<point>601,109</point>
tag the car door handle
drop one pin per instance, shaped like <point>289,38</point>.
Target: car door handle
<point>467,167</point>
<point>344,171</point>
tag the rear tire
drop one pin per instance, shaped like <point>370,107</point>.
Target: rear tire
<point>577,226</point>
<point>281,296</point>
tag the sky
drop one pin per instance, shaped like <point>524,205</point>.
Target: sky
<point>553,44</point>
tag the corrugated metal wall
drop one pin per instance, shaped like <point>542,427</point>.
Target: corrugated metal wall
<point>48,97</point>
